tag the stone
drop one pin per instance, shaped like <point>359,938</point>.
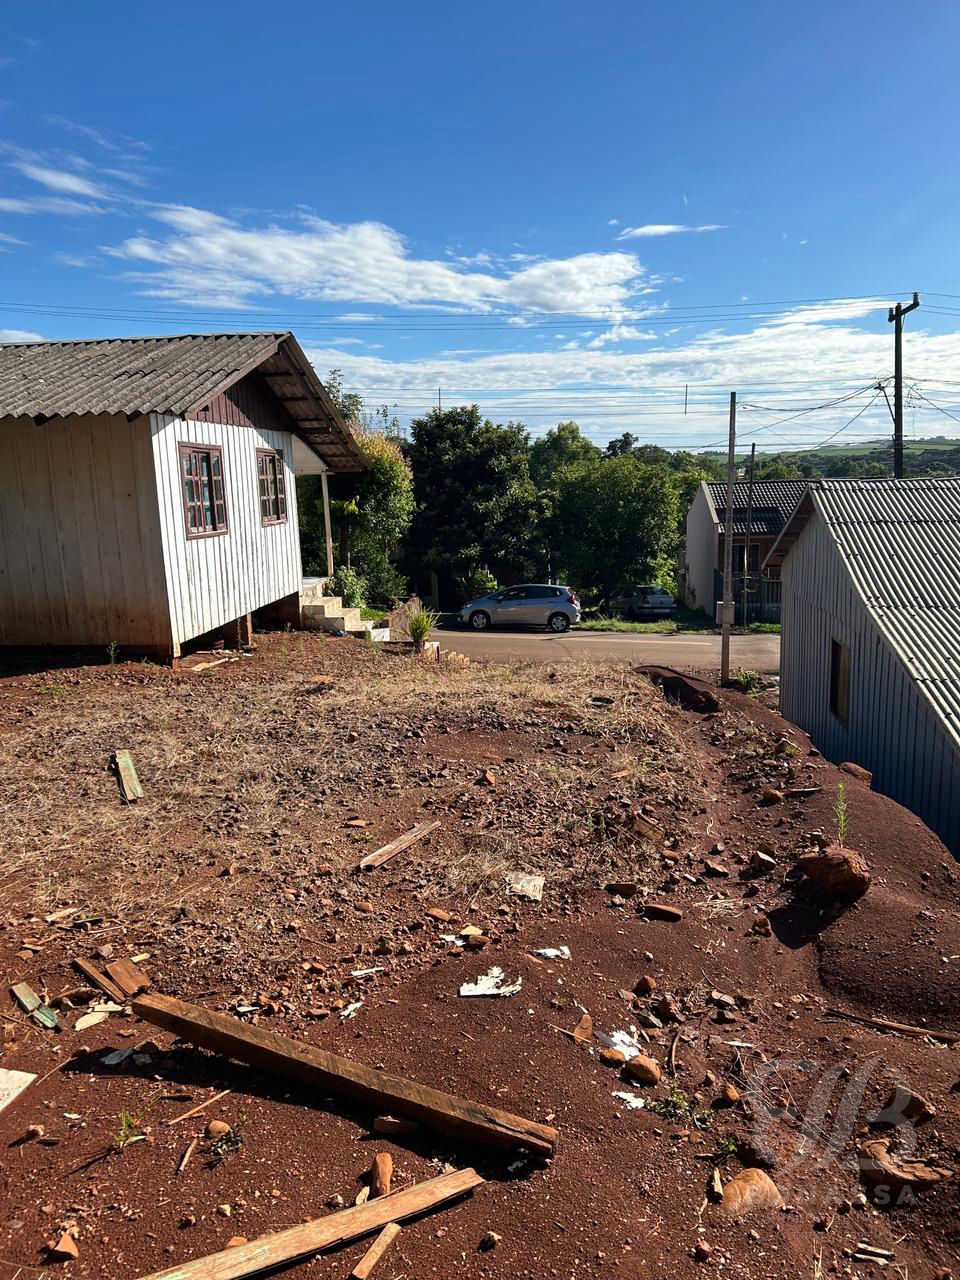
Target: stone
<point>770,795</point>
<point>621,888</point>
<point>890,1175</point>
<point>489,1240</point>
<point>661,911</point>
<point>365,907</point>
<point>476,942</point>
<point>702,1251</point>
<point>612,1057</point>
<point>762,864</point>
<point>762,927</point>
<point>904,1104</point>
<point>224,1210</point>
<point>728,1096</point>
<point>836,871</point>
<point>751,1189</point>
<point>235,1242</point>
<point>712,868</point>
<point>217,1129</point>
<point>381,1174</point>
<point>64,1249</point>
<point>643,1070</point>
<point>485,779</point>
<point>645,985</point>
<point>857,771</point>
<point>437,913</point>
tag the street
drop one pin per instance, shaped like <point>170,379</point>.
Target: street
<point>697,649</point>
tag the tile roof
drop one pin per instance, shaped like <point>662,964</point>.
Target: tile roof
<point>773,500</point>
<point>170,374</point>
<point>900,543</point>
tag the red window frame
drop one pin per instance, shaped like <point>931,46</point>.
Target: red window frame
<point>202,489</point>
<point>271,487</point>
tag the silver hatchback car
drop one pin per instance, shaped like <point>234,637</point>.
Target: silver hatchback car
<point>528,605</point>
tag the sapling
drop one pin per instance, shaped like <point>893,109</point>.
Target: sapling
<point>840,809</point>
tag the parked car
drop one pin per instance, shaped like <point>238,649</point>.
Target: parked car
<point>637,603</point>
<point>532,604</point>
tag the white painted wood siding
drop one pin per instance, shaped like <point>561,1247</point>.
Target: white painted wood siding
<point>211,581</point>
<point>80,555</point>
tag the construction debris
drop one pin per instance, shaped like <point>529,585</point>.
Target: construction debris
<point>29,1001</point>
<point>376,1251</point>
<point>308,1238</point>
<point>125,975</point>
<point>491,983</point>
<point>12,1084</point>
<point>127,775</point>
<point>98,979</point>
<point>330,1073</point>
<point>390,850</point>
<point>523,886</point>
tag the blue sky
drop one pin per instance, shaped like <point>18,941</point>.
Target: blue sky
<point>557,210</point>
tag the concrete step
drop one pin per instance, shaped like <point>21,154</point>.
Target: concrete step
<point>313,589</point>
<point>327,619</point>
<point>327,606</point>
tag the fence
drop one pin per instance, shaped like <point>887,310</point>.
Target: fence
<point>763,597</point>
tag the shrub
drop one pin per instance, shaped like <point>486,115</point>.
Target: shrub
<point>416,621</point>
<point>350,586</point>
<point>479,583</point>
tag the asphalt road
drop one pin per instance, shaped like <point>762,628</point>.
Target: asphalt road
<point>702,649</point>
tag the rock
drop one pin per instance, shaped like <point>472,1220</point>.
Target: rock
<point>751,1189</point>
<point>476,942</point>
<point>381,1174</point>
<point>645,985</point>
<point>335,1201</point>
<point>621,888</point>
<point>904,1104</point>
<point>63,1250</point>
<point>217,1129</point>
<point>702,1251</point>
<point>224,1210</point>
<point>712,868</point>
<point>612,1057</point>
<point>437,913</point>
<point>762,864</point>
<point>364,906</point>
<point>583,1031</point>
<point>485,779</point>
<point>643,1070</point>
<point>394,1124</point>
<point>770,795</point>
<point>890,1175</point>
<point>235,1242</point>
<point>489,1240</point>
<point>857,771</point>
<point>762,927</point>
<point>661,911</point>
<point>836,871</point>
<point>728,1096</point>
<point>33,1132</point>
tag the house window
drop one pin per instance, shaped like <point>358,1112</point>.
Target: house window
<point>273,495</point>
<point>204,505</point>
<point>840,680</point>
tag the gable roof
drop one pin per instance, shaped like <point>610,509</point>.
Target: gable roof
<point>773,500</point>
<point>899,540</point>
<point>176,374</point>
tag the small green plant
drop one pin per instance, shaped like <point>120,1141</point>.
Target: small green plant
<point>350,587</point>
<point>747,681</point>
<point>679,1108</point>
<point>55,688</point>
<point>112,648</point>
<point>840,810</point>
<point>416,621</point>
<point>229,1143</point>
<point>726,1147</point>
<point>131,1126</point>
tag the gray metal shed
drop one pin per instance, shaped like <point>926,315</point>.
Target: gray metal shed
<point>870,643</point>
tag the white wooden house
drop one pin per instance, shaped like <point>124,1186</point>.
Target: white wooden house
<point>147,487</point>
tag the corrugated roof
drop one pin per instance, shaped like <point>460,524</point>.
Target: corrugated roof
<point>171,374</point>
<point>900,542</point>
<point>773,500</point>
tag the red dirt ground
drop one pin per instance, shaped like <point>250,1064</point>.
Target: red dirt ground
<point>236,874</point>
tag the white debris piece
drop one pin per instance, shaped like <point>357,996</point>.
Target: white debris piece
<point>521,886</point>
<point>627,1042</point>
<point>351,1010</point>
<point>491,984</point>
<point>89,1020</point>
<point>553,953</point>
<point>632,1100</point>
<point>12,1084</point>
<point>365,973</point>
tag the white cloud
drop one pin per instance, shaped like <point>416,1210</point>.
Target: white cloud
<point>209,256</point>
<point>58,179</point>
<point>46,204</point>
<point>614,222</point>
<point>19,335</point>
<point>623,333</point>
<point>664,229</point>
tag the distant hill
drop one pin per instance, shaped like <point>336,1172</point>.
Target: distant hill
<point>937,456</point>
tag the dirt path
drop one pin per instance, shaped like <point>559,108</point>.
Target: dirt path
<point>236,877</point>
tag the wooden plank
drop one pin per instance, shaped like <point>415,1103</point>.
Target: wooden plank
<point>127,976</point>
<point>397,846</point>
<point>329,1073</point>
<point>376,1251</point>
<point>185,1115</point>
<point>28,1000</point>
<point>308,1238</point>
<point>97,978</point>
<point>12,1084</point>
<point>129,782</point>
<point>902,1028</point>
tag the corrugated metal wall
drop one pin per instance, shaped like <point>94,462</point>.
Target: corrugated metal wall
<point>212,580</point>
<point>80,556</point>
<point>892,730</point>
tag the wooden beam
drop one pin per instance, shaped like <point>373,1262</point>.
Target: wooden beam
<point>327,1072</point>
<point>129,782</point>
<point>308,1238</point>
<point>99,980</point>
<point>397,846</point>
<point>376,1251</point>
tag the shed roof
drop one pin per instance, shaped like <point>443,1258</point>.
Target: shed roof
<point>900,543</point>
<point>172,374</point>
<point>773,500</point>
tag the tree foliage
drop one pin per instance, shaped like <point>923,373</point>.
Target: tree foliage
<point>559,447</point>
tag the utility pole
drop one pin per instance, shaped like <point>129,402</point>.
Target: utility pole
<point>895,317</point>
<point>439,406</point>
<point>726,611</point>
<point>746,543</point>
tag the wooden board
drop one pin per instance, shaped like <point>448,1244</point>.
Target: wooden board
<point>329,1073</point>
<point>28,1000</point>
<point>128,977</point>
<point>129,782</point>
<point>397,846</point>
<point>97,978</point>
<point>12,1084</point>
<point>308,1238</point>
<point>376,1251</point>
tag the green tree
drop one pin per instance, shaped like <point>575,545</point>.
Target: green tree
<point>474,502</point>
<point>614,520</point>
<point>561,446</point>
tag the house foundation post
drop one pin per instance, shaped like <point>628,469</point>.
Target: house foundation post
<point>326,523</point>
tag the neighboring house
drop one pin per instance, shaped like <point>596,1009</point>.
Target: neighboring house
<point>773,500</point>
<point>870,644</point>
<point>147,491</point>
